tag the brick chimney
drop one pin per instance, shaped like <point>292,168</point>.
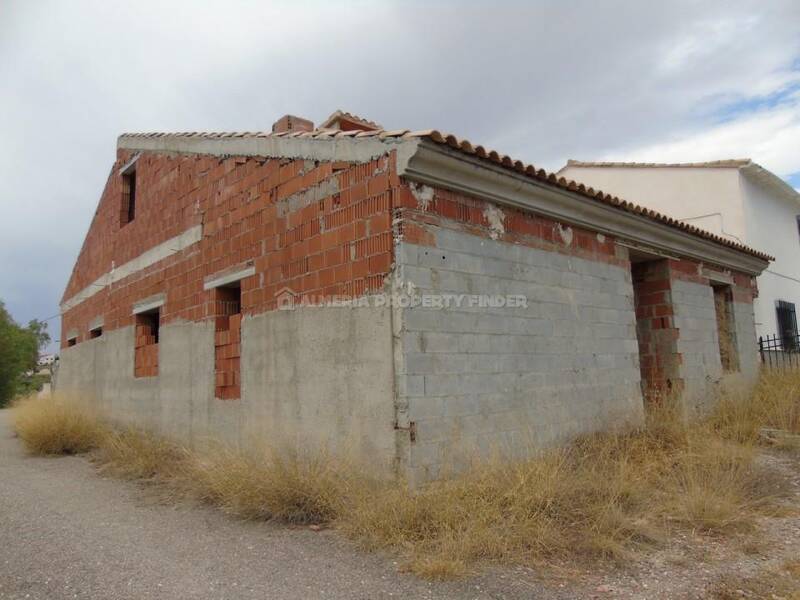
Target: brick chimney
<point>292,123</point>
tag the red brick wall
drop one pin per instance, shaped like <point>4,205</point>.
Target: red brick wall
<point>659,359</point>
<point>227,356</point>
<point>744,287</point>
<point>417,221</point>
<point>340,244</point>
<point>145,362</point>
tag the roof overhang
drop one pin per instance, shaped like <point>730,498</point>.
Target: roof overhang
<point>767,179</point>
<point>436,164</point>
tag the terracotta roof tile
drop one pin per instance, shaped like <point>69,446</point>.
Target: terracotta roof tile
<point>727,163</point>
<point>466,147</point>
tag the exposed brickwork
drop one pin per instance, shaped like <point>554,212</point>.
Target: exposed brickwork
<point>659,360</point>
<point>146,349</point>
<point>227,357</point>
<point>658,332</point>
<point>419,215</point>
<point>319,229</point>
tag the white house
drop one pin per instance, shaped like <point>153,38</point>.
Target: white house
<point>736,199</point>
<point>46,360</point>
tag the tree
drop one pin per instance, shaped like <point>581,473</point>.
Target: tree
<point>19,352</point>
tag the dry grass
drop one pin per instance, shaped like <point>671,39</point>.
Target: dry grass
<point>137,454</point>
<point>774,404</point>
<point>50,426</point>
<point>287,486</point>
<point>778,583</point>
<point>602,498</point>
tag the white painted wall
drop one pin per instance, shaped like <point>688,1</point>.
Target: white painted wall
<point>707,198</point>
<point>723,201</point>
<point>771,222</point>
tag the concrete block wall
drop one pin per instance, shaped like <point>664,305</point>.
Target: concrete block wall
<point>701,370</point>
<point>321,376</point>
<point>746,343</point>
<point>178,402</point>
<point>313,378</point>
<point>697,343</point>
<point>477,380</point>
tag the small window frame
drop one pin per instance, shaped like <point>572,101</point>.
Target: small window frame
<point>798,227</point>
<point>786,317</point>
<point>128,194</point>
<point>726,328</point>
<point>151,319</point>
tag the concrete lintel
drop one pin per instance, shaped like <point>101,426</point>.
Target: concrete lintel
<point>124,169</point>
<point>718,277</point>
<point>96,323</point>
<point>648,250</point>
<point>434,164</point>
<point>148,304</point>
<point>72,334</point>
<point>218,280</point>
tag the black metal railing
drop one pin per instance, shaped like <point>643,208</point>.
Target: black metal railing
<point>780,351</point>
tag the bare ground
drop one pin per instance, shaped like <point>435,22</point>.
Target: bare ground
<point>67,532</point>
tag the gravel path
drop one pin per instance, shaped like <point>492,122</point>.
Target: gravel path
<point>66,532</point>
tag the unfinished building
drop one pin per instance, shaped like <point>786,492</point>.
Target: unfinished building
<point>391,293</point>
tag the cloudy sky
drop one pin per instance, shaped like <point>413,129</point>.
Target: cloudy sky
<point>541,81</point>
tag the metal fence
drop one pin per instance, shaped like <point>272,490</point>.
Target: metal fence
<point>780,351</point>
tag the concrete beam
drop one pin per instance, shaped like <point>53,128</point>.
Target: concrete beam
<point>144,260</point>
<point>218,280</point>
<point>335,149</point>
<point>148,304</point>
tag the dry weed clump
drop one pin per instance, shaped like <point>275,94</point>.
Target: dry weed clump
<point>49,426</point>
<point>288,486</point>
<point>132,453</point>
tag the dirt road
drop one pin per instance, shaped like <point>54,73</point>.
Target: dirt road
<point>66,532</point>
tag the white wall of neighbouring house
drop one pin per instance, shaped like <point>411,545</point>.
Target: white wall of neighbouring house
<point>709,198</point>
<point>772,227</point>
